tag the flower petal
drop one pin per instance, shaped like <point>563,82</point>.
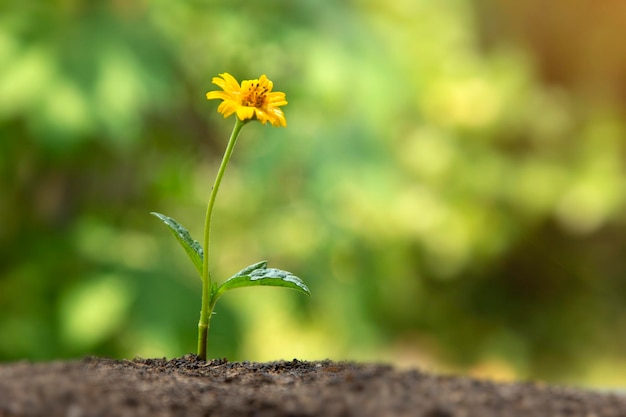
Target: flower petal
<point>245,112</point>
<point>223,95</point>
<point>228,82</point>
<point>253,99</point>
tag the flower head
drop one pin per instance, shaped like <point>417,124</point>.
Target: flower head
<point>253,100</point>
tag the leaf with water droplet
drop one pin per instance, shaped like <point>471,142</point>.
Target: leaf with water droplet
<point>249,269</point>
<point>191,246</point>
<point>259,274</point>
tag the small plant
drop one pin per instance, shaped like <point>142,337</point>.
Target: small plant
<point>253,100</point>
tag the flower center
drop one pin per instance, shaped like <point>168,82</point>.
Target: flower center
<point>254,96</point>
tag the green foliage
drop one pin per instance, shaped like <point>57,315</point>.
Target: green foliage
<point>440,194</point>
<point>260,274</point>
<point>253,275</point>
<point>192,247</point>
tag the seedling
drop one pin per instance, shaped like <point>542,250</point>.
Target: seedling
<point>252,100</point>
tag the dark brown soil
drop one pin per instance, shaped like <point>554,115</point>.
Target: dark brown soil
<point>190,387</point>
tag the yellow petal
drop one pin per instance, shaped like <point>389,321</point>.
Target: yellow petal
<point>218,94</point>
<point>253,99</point>
<point>230,82</point>
<point>245,112</point>
<point>227,107</point>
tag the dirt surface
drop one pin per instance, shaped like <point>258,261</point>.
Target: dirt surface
<point>190,387</point>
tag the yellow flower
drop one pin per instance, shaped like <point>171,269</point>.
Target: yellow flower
<point>253,100</point>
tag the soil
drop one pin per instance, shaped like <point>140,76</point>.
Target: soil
<point>190,387</point>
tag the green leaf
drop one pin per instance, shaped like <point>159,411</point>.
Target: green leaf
<point>248,269</point>
<point>191,246</point>
<point>260,274</point>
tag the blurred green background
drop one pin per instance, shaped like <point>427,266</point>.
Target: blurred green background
<point>450,183</point>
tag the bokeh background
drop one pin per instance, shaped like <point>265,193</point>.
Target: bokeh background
<point>450,183</point>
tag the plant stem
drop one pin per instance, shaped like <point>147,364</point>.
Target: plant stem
<point>208,303</point>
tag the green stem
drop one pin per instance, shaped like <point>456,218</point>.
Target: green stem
<point>208,303</point>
